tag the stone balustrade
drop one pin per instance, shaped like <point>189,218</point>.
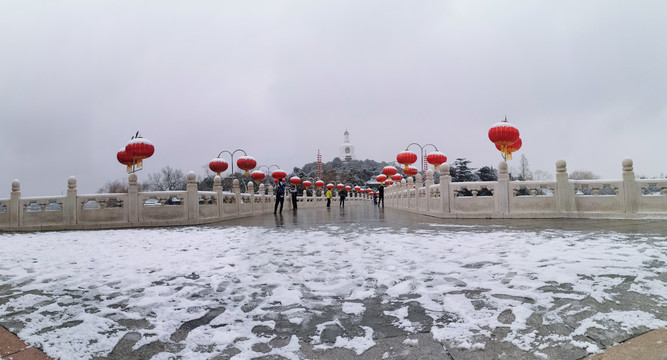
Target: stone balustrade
<point>143,209</point>
<point>562,198</point>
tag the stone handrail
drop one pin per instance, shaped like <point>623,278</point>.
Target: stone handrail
<point>562,198</point>
<point>141,209</point>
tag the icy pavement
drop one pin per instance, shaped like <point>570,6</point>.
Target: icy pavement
<point>359,283</point>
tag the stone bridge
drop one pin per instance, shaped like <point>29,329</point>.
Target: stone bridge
<point>628,198</point>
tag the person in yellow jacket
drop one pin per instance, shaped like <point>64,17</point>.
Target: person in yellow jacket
<point>328,195</point>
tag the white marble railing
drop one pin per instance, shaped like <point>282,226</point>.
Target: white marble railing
<point>142,209</point>
<point>626,198</point>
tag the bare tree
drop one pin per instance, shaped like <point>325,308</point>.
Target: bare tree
<point>113,187</point>
<point>524,169</point>
<point>543,175</point>
<point>583,175</point>
<point>167,179</point>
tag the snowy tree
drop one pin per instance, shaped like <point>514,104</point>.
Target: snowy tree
<point>487,173</point>
<point>524,170</point>
<point>460,172</point>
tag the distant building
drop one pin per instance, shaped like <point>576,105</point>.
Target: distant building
<point>347,149</point>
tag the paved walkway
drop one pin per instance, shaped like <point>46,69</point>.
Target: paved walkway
<point>13,348</point>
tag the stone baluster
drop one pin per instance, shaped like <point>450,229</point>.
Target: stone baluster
<point>15,211</point>
<point>445,182</point>
<point>418,185</point>
<point>69,207</point>
<point>262,197</point>
<point>192,196</point>
<point>133,198</point>
<point>236,189</point>
<point>411,184</point>
<point>251,190</point>
<point>630,189</point>
<point>564,190</point>
<point>429,182</point>
<point>217,187</point>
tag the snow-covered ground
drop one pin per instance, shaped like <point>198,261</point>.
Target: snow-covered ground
<point>245,292</point>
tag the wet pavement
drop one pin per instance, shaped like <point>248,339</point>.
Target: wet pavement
<point>365,283</point>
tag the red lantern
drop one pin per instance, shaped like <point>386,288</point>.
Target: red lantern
<point>307,184</point>
<point>406,158</point>
<point>411,171</point>
<point>319,183</point>
<point>436,159</point>
<point>389,171</point>
<point>369,191</point>
<point>125,159</point>
<point>246,163</point>
<point>257,175</point>
<point>140,149</point>
<point>512,148</point>
<point>218,165</point>
<point>389,182</point>
<point>503,134</point>
<point>295,180</point>
<point>340,186</point>
<point>348,188</point>
<point>381,178</point>
<point>357,188</point>
<point>397,177</point>
<point>275,181</point>
<point>278,174</point>
<point>330,186</point>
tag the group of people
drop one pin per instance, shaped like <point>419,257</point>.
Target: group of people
<point>378,198</point>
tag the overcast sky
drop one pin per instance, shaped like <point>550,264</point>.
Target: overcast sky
<point>584,81</point>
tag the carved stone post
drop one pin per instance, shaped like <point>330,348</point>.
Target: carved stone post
<point>429,182</point>
<point>192,197</point>
<point>69,206</point>
<point>236,189</point>
<point>14,201</point>
<point>564,190</point>
<point>251,190</point>
<point>630,190</point>
<point>217,187</point>
<point>502,194</point>
<point>445,180</point>
<point>418,185</point>
<point>411,184</point>
<point>133,199</point>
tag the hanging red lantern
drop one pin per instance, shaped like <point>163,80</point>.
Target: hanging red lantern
<point>389,171</point>
<point>389,182</point>
<point>257,175</point>
<point>397,177</point>
<point>319,184</point>
<point>381,178</point>
<point>140,148</point>
<point>512,148</point>
<point>125,159</point>
<point>218,165</point>
<point>436,159</point>
<point>246,163</point>
<point>369,191</point>
<point>406,158</point>
<point>411,171</point>
<point>295,180</point>
<point>330,186</point>
<point>357,188</point>
<point>278,174</point>
<point>340,186</point>
<point>275,181</point>
<point>503,134</point>
<point>348,188</point>
<point>307,184</point>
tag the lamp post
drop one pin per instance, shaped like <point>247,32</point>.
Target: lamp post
<point>421,152</point>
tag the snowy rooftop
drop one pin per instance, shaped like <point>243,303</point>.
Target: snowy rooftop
<point>326,282</point>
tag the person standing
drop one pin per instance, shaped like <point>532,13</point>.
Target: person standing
<point>293,193</point>
<point>329,195</point>
<point>280,196</point>
<point>381,195</point>
<point>342,194</point>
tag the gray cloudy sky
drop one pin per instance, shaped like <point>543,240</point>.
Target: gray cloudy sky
<point>584,81</point>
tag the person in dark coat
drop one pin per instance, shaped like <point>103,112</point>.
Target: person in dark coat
<point>293,193</point>
<point>280,196</point>
<point>381,195</point>
<point>342,194</point>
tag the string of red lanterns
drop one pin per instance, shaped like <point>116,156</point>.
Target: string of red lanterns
<point>505,135</point>
<point>135,152</point>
